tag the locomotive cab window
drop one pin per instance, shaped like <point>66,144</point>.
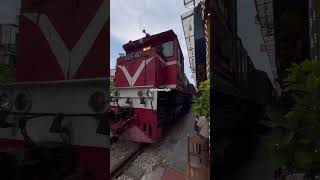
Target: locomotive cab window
<point>167,49</point>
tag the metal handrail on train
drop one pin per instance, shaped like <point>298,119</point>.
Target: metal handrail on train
<point>34,147</point>
<point>56,126</point>
<point>131,97</point>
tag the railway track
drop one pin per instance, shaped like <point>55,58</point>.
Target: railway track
<point>123,165</point>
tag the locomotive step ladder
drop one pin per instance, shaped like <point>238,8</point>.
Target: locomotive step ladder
<point>198,167</point>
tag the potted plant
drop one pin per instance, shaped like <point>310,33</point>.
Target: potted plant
<point>293,143</point>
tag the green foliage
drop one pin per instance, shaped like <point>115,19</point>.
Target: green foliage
<point>201,104</point>
<point>7,73</point>
<point>294,141</point>
<point>111,84</point>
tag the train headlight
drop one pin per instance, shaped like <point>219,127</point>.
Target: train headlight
<point>5,103</point>
<point>147,48</point>
<point>140,93</point>
<point>149,93</point>
<point>98,101</point>
<point>23,101</point>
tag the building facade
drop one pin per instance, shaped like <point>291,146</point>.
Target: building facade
<point>314,27</point>
<point>196,31</point>
<point>8,33</point>
<point>292,33</point>
<point>206,7</point>
<point>200,46</point>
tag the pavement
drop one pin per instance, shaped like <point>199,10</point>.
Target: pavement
<point>252,165</point>
<point>174,145</point>
<point>162,173</point>
<point>171,174</point>
<point>173,148</point>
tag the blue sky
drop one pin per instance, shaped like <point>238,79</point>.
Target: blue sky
<point>129,17</point>
<point>8,10</point>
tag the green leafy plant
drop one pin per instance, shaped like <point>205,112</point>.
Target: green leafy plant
<point>201,103</point>
<point>294,140</point>
<point>111,83</point>
<point>7,73</point>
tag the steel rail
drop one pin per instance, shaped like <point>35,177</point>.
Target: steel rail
<point>119,169</point>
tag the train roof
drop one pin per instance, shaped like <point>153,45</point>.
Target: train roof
<point>150,41</point>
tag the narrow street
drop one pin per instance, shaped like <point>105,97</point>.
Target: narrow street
<point>169,154</point>
<point>174,145</point>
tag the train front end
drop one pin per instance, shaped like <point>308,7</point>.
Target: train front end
<point>134,100</point>
<point>144,79</point>
<point>53,122</point>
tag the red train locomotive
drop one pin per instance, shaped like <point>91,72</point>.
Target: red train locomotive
<point>151,89</point>
<point>53,119</point>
